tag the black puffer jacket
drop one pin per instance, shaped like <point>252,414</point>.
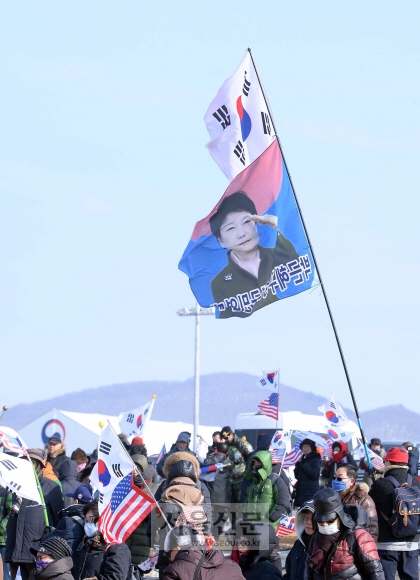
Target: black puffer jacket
<point>220,488</point>
<point>173,449</point>
<point>351,554</point>
<point>70,526</point>
<point>106,562</point>
<point>381,492</point>
<point>26,528</point>
<point>67,475</point>
<point>307,472</point>
<point>258,564</point>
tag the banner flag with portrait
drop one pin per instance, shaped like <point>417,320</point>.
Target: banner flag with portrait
<point>251,250</point>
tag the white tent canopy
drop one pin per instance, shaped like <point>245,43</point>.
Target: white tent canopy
<point>82,430</point>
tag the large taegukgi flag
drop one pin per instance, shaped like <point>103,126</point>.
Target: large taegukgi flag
<point>251,250</point>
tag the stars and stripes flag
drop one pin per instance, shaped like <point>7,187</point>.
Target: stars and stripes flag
<point>270,406</point>
<point>376,461</point>
<point>128,507</point>
<point>122,505</point>
<point>286,526</point>
<point>11,441</point>
<point>279,445</point>
<point>293,456</point>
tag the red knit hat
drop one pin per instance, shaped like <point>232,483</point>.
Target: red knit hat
<point>397,455</point>
<point>137,441</point>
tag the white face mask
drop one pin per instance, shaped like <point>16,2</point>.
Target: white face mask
<point>329,530</point>
<point>90,529</point>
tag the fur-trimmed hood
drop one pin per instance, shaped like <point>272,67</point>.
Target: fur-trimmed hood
<point>60,451</point>
<point>175,457</point>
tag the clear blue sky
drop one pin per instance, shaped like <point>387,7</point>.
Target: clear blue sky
<point>104,172</point>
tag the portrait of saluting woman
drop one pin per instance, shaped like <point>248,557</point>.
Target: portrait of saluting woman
<point>249,265</point>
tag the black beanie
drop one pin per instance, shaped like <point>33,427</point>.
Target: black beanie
<point>55,547</point>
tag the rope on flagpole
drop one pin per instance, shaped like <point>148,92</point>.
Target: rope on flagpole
<point>359,421</point>
<point>141,475</point>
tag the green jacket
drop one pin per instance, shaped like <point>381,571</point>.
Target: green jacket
<point>262,495</point>
<point>5,509</point>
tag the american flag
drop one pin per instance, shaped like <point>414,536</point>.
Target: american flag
<point>286,526</point>
<point>270,406</point>
<point>12,443</point>
<point>128,507</point>
<point>376,461</point>
<point>293,456</point>
<point>277,455</point>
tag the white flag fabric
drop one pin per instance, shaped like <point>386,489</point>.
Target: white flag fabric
<point>201,450</point>
<point>134,422</point>
<point>12,441</point>
<point>333,413</point>
<point>18,475</point>
<point>269,380</point>
<point>238,121</point>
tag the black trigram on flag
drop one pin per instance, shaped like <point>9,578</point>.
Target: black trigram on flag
<point>246,87</point>
<point>8,464</point>
<point>240,152</point>
<point>105,447</point>
<point>14,486</point>
<point>116,468</point>
<point>222,115</point>
<point>130,418</point>
<point>101,498</point>
<point>266,123</point>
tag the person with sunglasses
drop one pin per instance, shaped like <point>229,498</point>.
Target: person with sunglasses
<point>341,547</point>
<point>296,565</point>
<point>345,483</point>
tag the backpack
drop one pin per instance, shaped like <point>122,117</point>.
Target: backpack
<point>405,517</point>
<point>273,478</point>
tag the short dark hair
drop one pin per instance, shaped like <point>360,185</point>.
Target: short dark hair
<point>222,447</point>
<point>92,506</point>
<point>238,201</point>
<point>217,433</point>
<point>350,470</point>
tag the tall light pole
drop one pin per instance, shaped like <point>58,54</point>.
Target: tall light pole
<point>197,312</point>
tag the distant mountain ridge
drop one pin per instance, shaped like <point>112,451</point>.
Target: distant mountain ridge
<point>222,397</point>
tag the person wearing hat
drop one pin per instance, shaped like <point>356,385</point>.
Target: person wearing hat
<point>138,541</point>
<point>189,558</point>
<point>72,518</point>
<point>56,453</point>
<point>369,477</point>
<point>256,551</point>
<point>297,559</point>
<point>182,444</point>
<point>238,453</point>
<point>341,547</point>
<point>26,525</point>
<point>249,265</point>
<point>413,458</point>
<point>397,554</point>
<point>53,560</point>
<point>307,472</point>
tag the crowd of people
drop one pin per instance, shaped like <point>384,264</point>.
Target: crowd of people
<point>343,526</point>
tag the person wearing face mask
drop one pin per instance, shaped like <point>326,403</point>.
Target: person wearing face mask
<point>340,454</point>
<point>53,560</point>
<point>341,547</point>
<point>307,472</point>
<point>94,558</point>
<point>138,541</point>
<point>350,493</point>
<point>26,525</point>
<point>263,497</point>
<point>296,565</point>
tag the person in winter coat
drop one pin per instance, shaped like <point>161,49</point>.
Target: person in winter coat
<point>341,548</point>
<point>397,554</point>
<point>26,525</point>
<point>413,458</point>
<point>350,492</point>
<point>262,496</point>
<point>220,488</point>
<point>80,457</point>
<point>95,558</point>
<point>189,557</point>
<point>239,449</point>
<point>376,446</point>
<point>182,444</point>
<point>53,560</point>
<point>56,453</point>
<point>307,472</point>
<point>340,455</point>
<point>5,509</point>
<point>138,541</point>
<point>296,565</point>
<point>72,519</point>
<point>68,477</point>
<point>253,551</point>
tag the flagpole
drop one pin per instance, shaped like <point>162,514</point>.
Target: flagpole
<point>278,398</point>
<point>356,410</point>
<point>141,475</point>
